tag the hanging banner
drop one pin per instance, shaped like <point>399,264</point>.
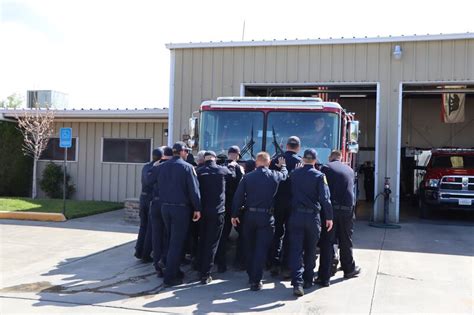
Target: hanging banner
<point>453,107</point>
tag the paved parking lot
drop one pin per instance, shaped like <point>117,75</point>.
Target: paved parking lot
<point>86,266</point>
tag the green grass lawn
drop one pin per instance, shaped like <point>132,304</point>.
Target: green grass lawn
<point>74,208</point>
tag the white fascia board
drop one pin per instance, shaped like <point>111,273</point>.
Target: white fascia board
<point>130,114</point>
<point>277,105</point>
<point>327,41</point>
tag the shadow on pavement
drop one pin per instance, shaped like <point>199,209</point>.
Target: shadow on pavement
<point>115,275</point>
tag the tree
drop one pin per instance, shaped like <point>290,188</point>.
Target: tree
<point>36,125</point>
<point>12,101</point>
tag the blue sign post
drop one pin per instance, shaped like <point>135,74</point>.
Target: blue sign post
<point>65,141</point>
<point>65,138</point>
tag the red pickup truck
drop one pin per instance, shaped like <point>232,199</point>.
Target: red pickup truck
<point>448,181</point>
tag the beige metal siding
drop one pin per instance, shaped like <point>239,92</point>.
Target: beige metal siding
<point>224,69</point>
<point>95,180</point>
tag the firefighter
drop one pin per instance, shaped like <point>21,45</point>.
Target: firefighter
<point>322,133</point>
<point>180,200</point>
<point>256,191</point>
<point>233,154</point>
<point>310,196</point>
<point>279,252</point>
<point>341,185</point>
<point>159,237</point>
<point>191,248</point>
<point>143,245</point>
<point>212,182</point>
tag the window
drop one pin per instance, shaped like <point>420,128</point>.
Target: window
<point>54,153</point>
<point>221,129</point>
<point>316,130</point>
<point>452,161</point>
<point>126,150</point>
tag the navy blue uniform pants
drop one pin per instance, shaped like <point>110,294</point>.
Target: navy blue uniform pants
<point>210,231</point>
<point>326,252</point>
<point>221,258</point>
<point>257,231</point>
<point>191,246</point>
<point>280,246</point>
<point>143,245</point>
<point>221,255</point>
<point>159,237</point>
<point>343,228</point>
<point>176,220</point>
<point>303,232</point>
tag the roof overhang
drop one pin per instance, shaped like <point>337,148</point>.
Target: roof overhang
<point>95,114</point>
<point>326,41</point>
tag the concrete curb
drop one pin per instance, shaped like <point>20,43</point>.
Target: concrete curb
<point>35,216</point>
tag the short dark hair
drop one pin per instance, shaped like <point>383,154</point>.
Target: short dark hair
<point>335,154</point>
<point>293,142</point>
<point>167,151</point>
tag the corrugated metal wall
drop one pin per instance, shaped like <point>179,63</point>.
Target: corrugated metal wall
<point>95,180</point>
<point>207,73</point>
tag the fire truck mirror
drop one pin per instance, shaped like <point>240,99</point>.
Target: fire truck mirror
<point>353,132</point>
<point>193,128</point>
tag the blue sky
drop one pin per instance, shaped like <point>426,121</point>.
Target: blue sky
<point>112,54</point>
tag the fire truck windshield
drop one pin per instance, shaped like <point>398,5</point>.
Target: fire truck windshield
<point>316,130</point>
<point>222,129</point>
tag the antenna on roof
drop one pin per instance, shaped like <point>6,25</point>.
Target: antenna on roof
<point>243,31</point>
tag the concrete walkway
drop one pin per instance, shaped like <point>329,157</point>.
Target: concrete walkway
<point>86,266</point>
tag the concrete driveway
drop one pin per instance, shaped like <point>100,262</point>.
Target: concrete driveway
<point>86,266</point>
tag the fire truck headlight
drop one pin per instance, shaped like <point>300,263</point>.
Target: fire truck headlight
<point>432,183</point>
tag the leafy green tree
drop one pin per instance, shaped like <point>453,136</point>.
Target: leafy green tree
<point>15,168</point>
<point>12,101</point>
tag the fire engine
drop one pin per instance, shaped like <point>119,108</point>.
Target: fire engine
<point>264,124</point>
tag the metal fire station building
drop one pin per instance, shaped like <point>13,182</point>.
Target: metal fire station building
<point>393,84</point>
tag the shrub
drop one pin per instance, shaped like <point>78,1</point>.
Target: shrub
<point>52,182</point>
<point>15,168</point>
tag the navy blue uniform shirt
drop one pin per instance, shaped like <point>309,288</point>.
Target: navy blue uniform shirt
<point>152,177</point>
<point>212,180</point>
<point>181,184</point>
<point>309,189</point>
<point>341,183</point>
<point>257,189</point>
<point>283,195</point>
<point>147,187</point>
<point>231,184</point>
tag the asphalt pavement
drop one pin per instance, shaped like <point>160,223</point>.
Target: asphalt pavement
<point>86,265</point>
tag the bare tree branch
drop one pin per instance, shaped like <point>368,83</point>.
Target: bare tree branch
<point>37,127</point>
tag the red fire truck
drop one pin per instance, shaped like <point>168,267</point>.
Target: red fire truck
<point>265,123</point>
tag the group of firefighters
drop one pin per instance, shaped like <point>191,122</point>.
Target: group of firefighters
<point>282,208</point>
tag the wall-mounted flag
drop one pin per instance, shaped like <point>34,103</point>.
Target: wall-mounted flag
<point>453,107</point>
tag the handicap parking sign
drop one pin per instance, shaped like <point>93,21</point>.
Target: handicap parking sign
<point>65,137</point>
